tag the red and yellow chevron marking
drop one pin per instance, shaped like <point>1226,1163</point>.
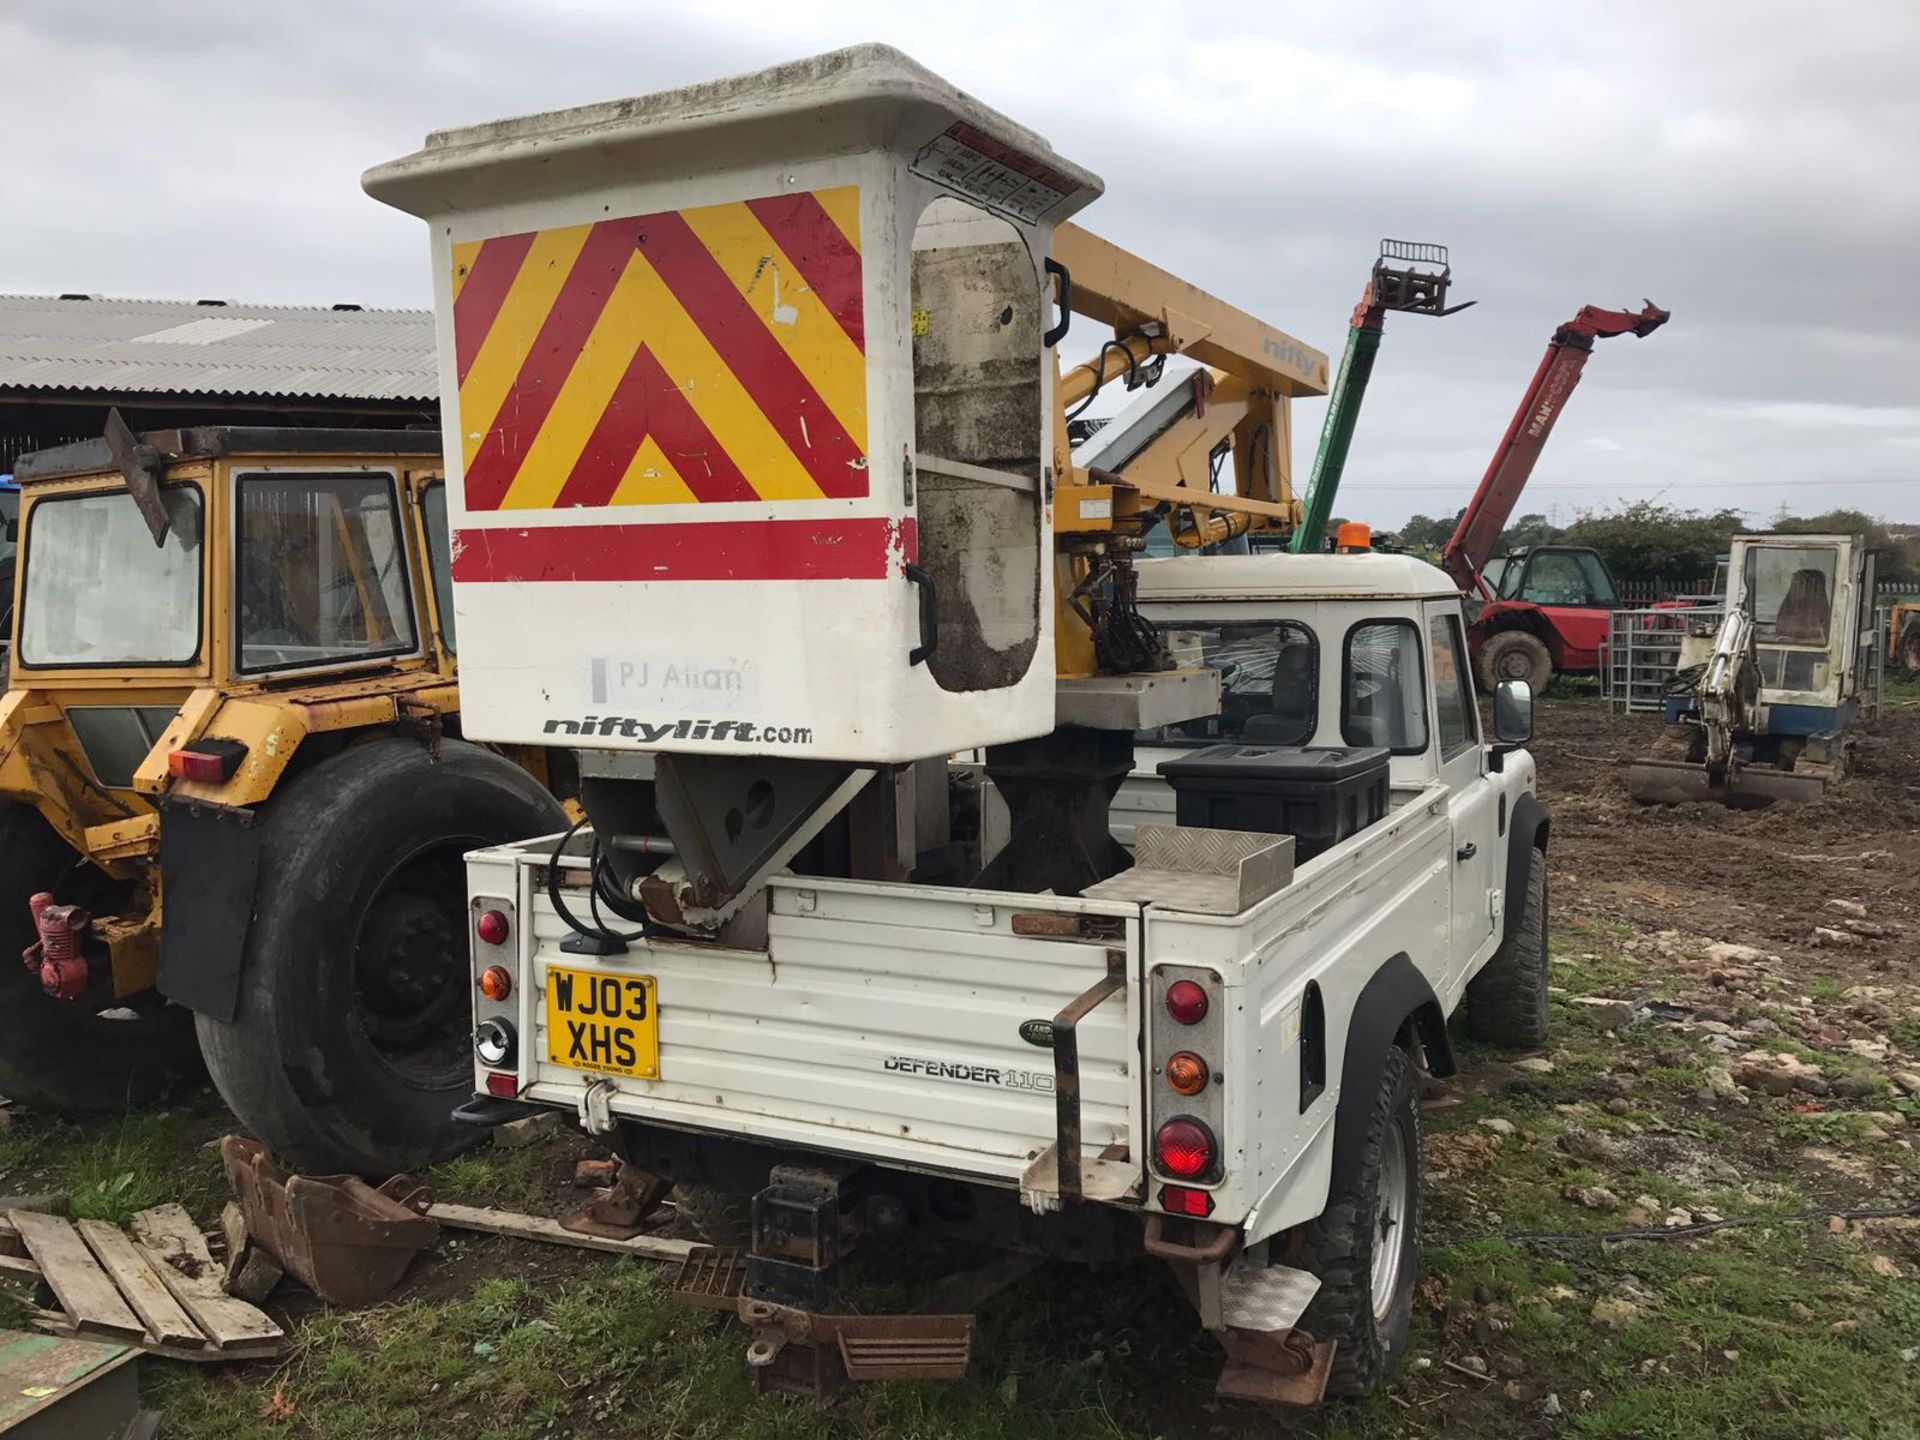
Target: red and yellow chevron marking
<point>700,355</point>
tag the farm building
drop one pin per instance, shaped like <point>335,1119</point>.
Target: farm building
<point>65,360</point>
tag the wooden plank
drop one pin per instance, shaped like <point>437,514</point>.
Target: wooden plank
<point>55,1323</point>
<point>84,1290</point>
<point>166,1322</point>
<point>10,1238</point>
<point>539,1227</point>
<point>18,1267</point>
<point>178,1253</point>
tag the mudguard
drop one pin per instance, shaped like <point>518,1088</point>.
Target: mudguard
<point>1526,833</point>
<point>209,864</point>
<point>1396,996</point>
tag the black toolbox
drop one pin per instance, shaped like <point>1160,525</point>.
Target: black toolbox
<point>1318,796</point>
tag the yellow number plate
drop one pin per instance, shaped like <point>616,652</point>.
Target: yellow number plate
<point>604,1023</point>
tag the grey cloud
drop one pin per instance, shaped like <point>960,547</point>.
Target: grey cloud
<point>1752,170</point>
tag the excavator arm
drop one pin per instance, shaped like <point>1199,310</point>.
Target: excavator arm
<point>1486,515</point>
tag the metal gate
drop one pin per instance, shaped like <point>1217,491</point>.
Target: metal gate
<point>1643,652</point>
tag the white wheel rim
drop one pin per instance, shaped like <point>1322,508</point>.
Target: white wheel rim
<point>1389,1224</point>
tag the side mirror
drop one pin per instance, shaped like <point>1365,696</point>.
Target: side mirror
<point>1513,712</point>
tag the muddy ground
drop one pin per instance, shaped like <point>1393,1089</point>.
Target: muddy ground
<point>1736,1017</point>
<point>1762,877</point>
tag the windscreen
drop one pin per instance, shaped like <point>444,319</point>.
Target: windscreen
<point>1789,592</point>
<point>100,592</point>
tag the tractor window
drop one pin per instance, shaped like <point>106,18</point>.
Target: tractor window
<point>322,571</point>
<point>1558,578</point>
<point>433,509</point>
<point>1385,699</point>
<point>1790,592</point>
<point>100,592</point>
<point>1269,682</point>
<point>9,542</point>
<point>1599,583</point>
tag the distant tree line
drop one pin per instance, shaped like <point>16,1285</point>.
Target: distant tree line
<point>1648,541</point>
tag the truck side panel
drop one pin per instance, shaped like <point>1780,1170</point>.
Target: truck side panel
<point>1382,892</point>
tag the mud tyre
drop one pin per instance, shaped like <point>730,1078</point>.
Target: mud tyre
<point>1515,655</point>
<point>67,1056</point>
<point>349,1048</point>
<point>718,1215</point>
<point>1507,1000</point>
<point>1908,653</point>
<point>1365,1246</point>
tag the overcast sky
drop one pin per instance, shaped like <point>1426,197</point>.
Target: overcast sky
<point>1751,167</point>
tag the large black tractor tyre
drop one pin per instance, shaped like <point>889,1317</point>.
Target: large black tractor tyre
<point>1365,1246</point>
<point>349,1048</point>
<point>74,1055</point>
<point>1907,653</point>
<point>1515,655</point>
<point>1507,1000</point>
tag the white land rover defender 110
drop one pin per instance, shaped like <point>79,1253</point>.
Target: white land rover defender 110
<point>761,500</point>
<point>1224,1041</point>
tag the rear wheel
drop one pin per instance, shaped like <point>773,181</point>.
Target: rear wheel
<point>1365,1246</point>
<point>349,1048</point>
<point>1507,1000</point>
<point>92,1053</point>
<point>1515,655</point>
<point>1909,652</point>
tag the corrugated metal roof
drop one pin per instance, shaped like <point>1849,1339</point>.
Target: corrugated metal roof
<point>177,347</point>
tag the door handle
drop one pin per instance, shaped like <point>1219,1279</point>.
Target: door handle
<point>1466,851</point>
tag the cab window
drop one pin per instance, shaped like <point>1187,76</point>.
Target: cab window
<point>1269,682</point>
<point>98,590</point>
<point>1385,696</point>
<point>1790,592</point>
<point>322,573</point>
<point>1454,714</point>
<point>1556,578</point>
<point>433,510</point>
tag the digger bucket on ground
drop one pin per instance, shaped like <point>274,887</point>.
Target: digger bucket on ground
<point>343,1239</point>
<point>1753,787</point>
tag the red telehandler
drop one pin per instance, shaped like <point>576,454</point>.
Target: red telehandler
<point>1547,615</point>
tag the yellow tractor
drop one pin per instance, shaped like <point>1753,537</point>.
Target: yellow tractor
<point>233,794</point>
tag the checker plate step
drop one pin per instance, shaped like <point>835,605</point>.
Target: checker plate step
<point>906,1347</point>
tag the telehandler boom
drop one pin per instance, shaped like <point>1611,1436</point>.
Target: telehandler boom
<point>1513,636</point>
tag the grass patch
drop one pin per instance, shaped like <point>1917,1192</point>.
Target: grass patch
<point>489,1176</point>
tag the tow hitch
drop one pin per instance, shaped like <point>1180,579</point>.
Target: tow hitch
<point>783,1288</point>
<point>57,957</point>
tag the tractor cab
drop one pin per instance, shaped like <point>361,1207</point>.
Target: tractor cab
<point>1562,576</point>
<point>229,559</point>
<point>1810,598</point>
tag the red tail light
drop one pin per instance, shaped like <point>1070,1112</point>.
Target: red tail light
<point>505,1087</point>
<point>1186,1002</point>
<point>491,927</point>
<point>207,762</point>
<point>1179,1200</point>
<point>1183,1148</point>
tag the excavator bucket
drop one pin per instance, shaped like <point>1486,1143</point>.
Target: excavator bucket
<point>1679,782</point>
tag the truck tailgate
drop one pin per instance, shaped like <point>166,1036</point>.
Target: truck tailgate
<point>881,1018</point>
